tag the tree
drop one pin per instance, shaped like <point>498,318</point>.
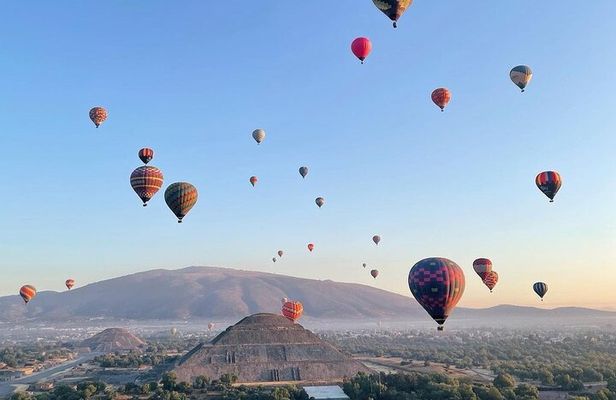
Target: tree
<point>20,396</point>
<point>504,380</point>
<point>526,392</point>
<point>168,381</point>
<point>201,382</point>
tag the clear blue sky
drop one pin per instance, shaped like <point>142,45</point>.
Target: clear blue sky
<point>192,79</point>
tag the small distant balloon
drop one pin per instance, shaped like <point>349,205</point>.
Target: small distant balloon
<point>292,310</point>
<point>374,273</point>
<point>27,293</point>
<point>361,48</point>
<point>280,253</point>
<point>180,198</point>
<point>521,76</point>
<point>303,171</point>
<point>393,8</point>
<point>441,97</point>
<point>482,266</point>
<point>173,331</point>
<point>258,135</point>
<point>146,155</point>
<point>253,180</point>
<point>69,283</point>
<point>320,201</point>
<point>540,288</point>
<point>364,265</point>
<point>490,280</point>
<point>549,182</point>
<point>210,326</point>
<point>146,181</point>
<point>274,259</point>
<point>98,115</point>
<point>376,239</point>
<point>310,247</point>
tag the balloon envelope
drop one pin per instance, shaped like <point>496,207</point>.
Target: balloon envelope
<point>374,273</point>
<point>361,48</point>
<point>27,293</point>
<point>180,198</point>
<point>69,283</point>
<point>280,253</point>
<point>303,171</point>
<point>253,180</point>
<point>549,182</point>
<point>146,181</point>
<point>310,247</point>
<point>376,239</point>
<point>540,288</point>
<point>437,284</point>
<point>392,8</point>
<point>521,76</point>
<point>441,97</point>
<point>146,155</point>
<point>98,115</point>
<point>258,135</point>
<point>292,310</point>
<point>320,201</point>
<point>482,266</point>
<point>490,279</point>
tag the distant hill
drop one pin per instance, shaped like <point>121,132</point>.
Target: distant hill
<point>220,293</point>
<point>112,340</point>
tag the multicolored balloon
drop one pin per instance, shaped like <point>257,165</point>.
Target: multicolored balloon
<point>521,76</point>
<point>361,48</point>
<point>310,247</point>
<point>258,135</point>
<point>146,155</point>
<point>482,266</point>
<point>437,284</point>
<point>69,283</point>
<point>441,97</point>
<point>393,8</point>
<point>27,293</point>
<point>280,253</point>
<point>146,181</point>
<point>376,239</point>
<point>292,310</point>
<point>320,201</point>
<point>490,280</point>
<point>303,171</point>
<point>180,198</point>
<point>540,288</point>
<point>374,273</point>
<point>98,115</point>
<point>549,182</point>
<point>253,180</point>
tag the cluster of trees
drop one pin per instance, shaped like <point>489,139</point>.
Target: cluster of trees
<point>416,386</point>
<point>129,360</point>
<point>16,356</point>
<point>548,358</point>
<point>83,390</point>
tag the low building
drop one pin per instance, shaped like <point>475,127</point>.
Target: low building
<point>325,393</point>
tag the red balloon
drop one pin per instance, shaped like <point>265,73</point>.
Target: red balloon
<point>310,247</point>
<point>253,180</point>
<point>292,310</point>
<point>361,47</point>
<point>69,283</point>
<point>441,97</point>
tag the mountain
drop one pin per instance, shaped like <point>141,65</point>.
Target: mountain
<point>113,339</point>
<point>221,293</point>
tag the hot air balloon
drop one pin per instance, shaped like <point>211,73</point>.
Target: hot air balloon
<point>280,253</point>
<point>490,280</point>
<point>376,239</point>
<point>441,97</point>
<point>173,331</point>
<point>393,8</point>
<point>320,201</point>
<point>374,273</point>
<point>540,288</point>
<point>253,180</point>
<point>293,310</point>
<point>549,183</point>
<point>69,283</point>
<point>98,115</point>
<point>303,171</point>
<point>437,284</point>
<point>146,155</point>
<point>210,326</point>
<point>521,76</point>
<point>258,135</point>
<point>27,292</point>
<point>274,259</point>
<point>364,265</point>
<point>146,181</point>
<point>310,247</point>
<point>284,300</point>
<point>180,198</point>
<point>361,47</point>
<point>482,266</point>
